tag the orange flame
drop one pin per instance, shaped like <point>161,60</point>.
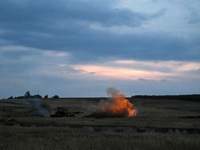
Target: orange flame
<point>117,106</point>
<point>121,104</point>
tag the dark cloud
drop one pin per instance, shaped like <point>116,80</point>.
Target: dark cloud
<point>65,25</point>
<point>39,13</point>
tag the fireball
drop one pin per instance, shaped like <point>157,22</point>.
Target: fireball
<point>116,106</point>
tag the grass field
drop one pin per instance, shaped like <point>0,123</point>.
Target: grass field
<point>152,113</point>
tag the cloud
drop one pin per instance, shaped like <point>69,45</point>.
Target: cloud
<point>140,70</point>
<point>110,73</point>
<point>91,29</point>
<point>102,12</point>
<point>18,61</point>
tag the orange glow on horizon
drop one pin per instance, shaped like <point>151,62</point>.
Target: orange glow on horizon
<point>134,70</point>
<point>119,73</point>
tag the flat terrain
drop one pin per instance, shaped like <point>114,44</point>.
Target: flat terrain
<point>22,127</point>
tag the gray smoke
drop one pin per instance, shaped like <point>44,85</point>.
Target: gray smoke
<point>112,91</point>
<point>38,106</point>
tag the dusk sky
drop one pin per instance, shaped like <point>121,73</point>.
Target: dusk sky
<point>79,48</point>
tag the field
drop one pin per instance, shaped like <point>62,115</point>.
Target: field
<point>22,127</point>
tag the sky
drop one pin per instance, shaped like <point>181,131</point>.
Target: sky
<point>79,48</point>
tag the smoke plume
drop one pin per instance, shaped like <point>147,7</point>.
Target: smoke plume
<point>115,106</point>
<point>38,107</point>
<point>111,92</point>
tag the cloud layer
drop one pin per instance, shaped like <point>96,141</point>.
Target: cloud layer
<point>137,70</point>
<point>93,28</point>
<point>68,45</point>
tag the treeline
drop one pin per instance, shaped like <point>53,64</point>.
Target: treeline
<point>193,97</point>
<point>28,95</point>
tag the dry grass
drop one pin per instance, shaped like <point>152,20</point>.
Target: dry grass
<point>151,113</point>
<point>50,138</point>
